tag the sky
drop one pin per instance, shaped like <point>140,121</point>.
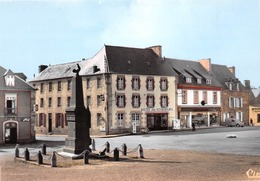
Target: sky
<point>49,32</point>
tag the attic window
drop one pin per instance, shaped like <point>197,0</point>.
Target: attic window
<point>199,80</point>
<point>9,80</point>
<point>208,81</point>
<point>188,80</point>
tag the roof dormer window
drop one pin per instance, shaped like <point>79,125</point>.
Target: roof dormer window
<point>188,80</point>
<point>199,80</point>
<point>208,81</point>
<point>9,80</point>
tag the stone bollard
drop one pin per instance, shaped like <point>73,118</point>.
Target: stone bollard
<point>17,151</point>
<point>86,156</point>
<point>26,154</point>
<point>39,158</point>
<point>93,145</point>
<point>124,149</point>
<point>43,149</point>
<point>108,147</point>
<point>141,151</point>
<point>116,154</point>
<point>53,160</point>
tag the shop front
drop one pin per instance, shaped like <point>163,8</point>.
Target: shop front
<point>200,116</point>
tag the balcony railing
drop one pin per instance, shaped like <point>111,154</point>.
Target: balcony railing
<point>10,110</point>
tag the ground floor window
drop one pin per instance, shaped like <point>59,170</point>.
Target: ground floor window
<point>136,119</point>
<point>120,119</point>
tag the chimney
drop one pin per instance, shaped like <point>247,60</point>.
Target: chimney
<point>157,49</point>
<point>247,84</point>
<point>42,68</point>
<point>232,70</point>
<point>206,63</point>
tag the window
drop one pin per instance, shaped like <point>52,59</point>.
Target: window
<point>136,119</point>
<point>196,97</point>
<point>164,84</point>
<point>215,97</point>
<point>164,101</point>
<point>150,101</point>
<point>68,101</point>
<point>208,81</point>
<point>42,87</point>
<point>59,85</point>
<point>50,86</point>
<point>50,102</point>
<point>120,119</point>
<point>184,97</point>
<point>42,102</point>
<point>239,116</point>
<point>238,87</point>
<point>120,83</point>
<point>88,100</point>
<point>235,102</point>
<point>121,101</point>
<point>136,83</point>
<point>136,101</point>
<point>99,119</point>
<point>59,120</point>
<point>98,82</point>
<point>188,79</point>
<point>10,80</point>
<point>69,85</point>
<point>150,84</point>
<point>99,100</point>
<point>42,121</point>
<point>205,96</point>
<point>88,83</point>
<point>59,102</point>
<point>199,80</point>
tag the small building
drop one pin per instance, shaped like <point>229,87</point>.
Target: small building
<point>234,95</point>
<point>198,94</point>
<point>17,117</point>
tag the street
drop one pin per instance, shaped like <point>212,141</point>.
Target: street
<point>214,140</point>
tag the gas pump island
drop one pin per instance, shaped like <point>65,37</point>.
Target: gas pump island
<point>78,118</point>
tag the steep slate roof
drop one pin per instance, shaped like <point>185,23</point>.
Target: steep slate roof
<point>191,69</point>
<point>112,59</point>
<point>20,84</point>
<point>223,74</point>
<point>136,61</point>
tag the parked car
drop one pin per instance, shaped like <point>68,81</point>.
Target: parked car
<point>233,122</point>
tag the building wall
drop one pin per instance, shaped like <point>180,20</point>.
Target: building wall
<point>232,111</point>
<point>23,118</point>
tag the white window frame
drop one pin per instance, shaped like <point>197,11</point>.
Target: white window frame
<point>136,119</point>
<point>120,119</point>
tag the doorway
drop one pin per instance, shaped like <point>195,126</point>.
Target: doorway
<point>50,122</point>
<point>11,133</point>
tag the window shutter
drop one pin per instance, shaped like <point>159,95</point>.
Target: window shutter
<point>161,84</point>
<point>66,122</point>
<point>44,120</point>
<point>147,101</point>
<point>117,100</point>
<point>153,83</point>
<point>132,82</point>
<point>117,86</point>
<point>62,120</point>
<point>132,100</point>
<point>139,85</point>
<point>147,84</point>
<point>124,82</point>
<point>153,101</point>
<point>166,101</point>
<point>167,82</point>
<point>139,101</point>
<point>161,101</point>
<point>124,100</point>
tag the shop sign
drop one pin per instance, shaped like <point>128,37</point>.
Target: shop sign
<point>156,109</point>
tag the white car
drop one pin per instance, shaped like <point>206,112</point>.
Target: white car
<point>233,122</point>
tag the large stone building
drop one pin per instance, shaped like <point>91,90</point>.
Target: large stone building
<point>126,89</point>
<point>16,108</point>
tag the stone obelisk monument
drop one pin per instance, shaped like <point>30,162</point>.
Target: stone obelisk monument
<point>78,118</point>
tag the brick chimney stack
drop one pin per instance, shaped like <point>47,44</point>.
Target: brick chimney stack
<point>232,70</point>
<point>157,49</point>
<point>206,63</point>
<point>247,84</point>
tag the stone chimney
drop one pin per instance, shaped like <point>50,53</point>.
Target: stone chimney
<point>42,68</point>
<point>157,49</point>
<point>247,84</point>
<point>206,63</point>
<point>232,70</point>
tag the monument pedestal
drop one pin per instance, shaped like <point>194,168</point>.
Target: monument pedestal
<point>79,120</point>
